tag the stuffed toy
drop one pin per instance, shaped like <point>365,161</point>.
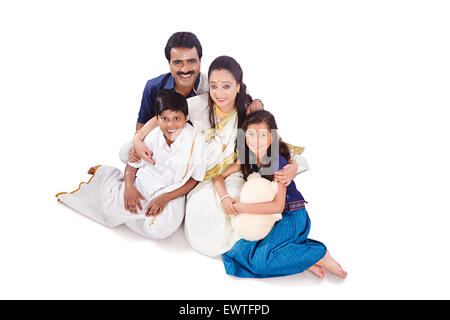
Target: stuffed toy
<point>254,227</point>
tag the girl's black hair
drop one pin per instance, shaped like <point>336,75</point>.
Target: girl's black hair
<point>170,100</point>
<point>183,40</point>
<point>248,158</point>
<point>243,99</point>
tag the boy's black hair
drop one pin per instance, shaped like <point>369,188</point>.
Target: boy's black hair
<point>183,40</point>
<point>170,100</point>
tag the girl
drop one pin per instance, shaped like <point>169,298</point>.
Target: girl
<point>286,249</point>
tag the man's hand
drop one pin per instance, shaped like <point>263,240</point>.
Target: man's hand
<point>254,106</point>
<point>133,156</point>
<point>286,174</point>
<point>131,199</point>
<point>157,205</point>
<point>142,151</point>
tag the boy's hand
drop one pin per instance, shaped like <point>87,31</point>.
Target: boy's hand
<point>131,199</point>
<point>227,205</point>
<point>157,205</point>
<point>286,174</point>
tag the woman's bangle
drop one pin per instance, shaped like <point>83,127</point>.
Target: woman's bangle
<point>225,196</point>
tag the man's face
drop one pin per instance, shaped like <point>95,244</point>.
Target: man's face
<point>185,66</point>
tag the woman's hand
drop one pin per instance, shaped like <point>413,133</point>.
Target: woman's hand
<point>286,174</point>
<point>228,207</point>
<point>142,151</point>
<point>157,205</point>
<point>131,199</point>
<point>254,106</point>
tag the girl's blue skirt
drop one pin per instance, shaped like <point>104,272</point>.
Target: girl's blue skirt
<point>284,251</point>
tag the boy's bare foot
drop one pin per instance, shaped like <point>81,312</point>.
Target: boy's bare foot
<point>92,169</point>
<point>328,263</point>
<point>317,271</point>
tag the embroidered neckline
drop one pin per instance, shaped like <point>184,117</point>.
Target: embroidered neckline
<point>222,114</point>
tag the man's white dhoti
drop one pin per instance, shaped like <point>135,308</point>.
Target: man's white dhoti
<point>102,197</point>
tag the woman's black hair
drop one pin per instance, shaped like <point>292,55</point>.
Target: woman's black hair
<point>170,100</point>
<point>243,99</point>
<point>183,40</point>
<point>247,158</point>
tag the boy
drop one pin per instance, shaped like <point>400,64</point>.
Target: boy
<point>148,198</point>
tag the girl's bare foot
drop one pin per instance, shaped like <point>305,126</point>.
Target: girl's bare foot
<point>92,169</point>
<point>331,265</point>
<point>317,271</point>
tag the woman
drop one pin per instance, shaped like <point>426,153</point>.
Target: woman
<point>207,227</point>
<point>218,116</point>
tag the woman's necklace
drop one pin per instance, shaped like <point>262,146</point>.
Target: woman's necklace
<point>221,114</point>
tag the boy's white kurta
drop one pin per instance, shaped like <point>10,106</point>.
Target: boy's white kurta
<point>102,198</point>
<point>208,228</point>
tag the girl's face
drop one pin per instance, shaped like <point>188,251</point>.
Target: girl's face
<point>258,138</point>
<point>223,89</point>
<point>171,124</point>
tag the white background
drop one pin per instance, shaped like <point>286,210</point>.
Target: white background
<point>363,85</point>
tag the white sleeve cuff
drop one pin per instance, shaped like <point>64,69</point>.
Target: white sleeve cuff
<point>302,163</point>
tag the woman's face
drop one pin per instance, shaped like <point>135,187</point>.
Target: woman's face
<point>223,89</point>
<point>258,138</point>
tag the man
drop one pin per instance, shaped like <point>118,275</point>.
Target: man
<point>184,52</point>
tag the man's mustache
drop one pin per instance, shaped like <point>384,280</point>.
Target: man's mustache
<point>185,73</point>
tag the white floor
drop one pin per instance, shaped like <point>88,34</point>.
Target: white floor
<point>69,256</point>
<point>362,85</point>
<point>50,251</point>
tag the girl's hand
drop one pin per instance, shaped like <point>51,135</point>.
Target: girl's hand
<point>131,199</point>
<point>157,205</point>
<point>239,207</point>
<point>286,174</point>
<point>227,205</point>
<point>133,156</point>
<point>142,151</point>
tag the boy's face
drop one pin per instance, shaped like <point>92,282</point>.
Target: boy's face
<point>171,123</point>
